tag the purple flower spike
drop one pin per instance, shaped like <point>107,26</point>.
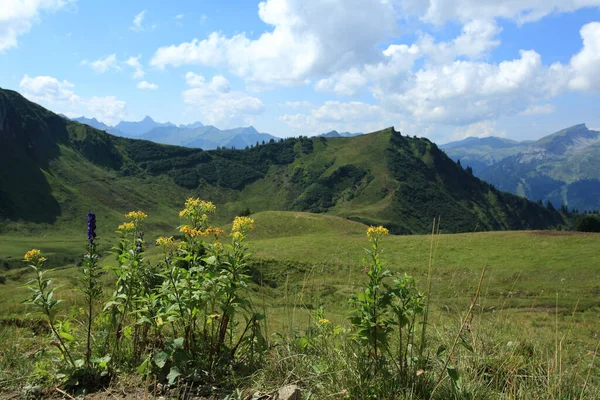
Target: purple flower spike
<point>91,233</point>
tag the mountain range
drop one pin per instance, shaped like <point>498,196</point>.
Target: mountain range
<point>563,168</point>
<point>53,171</point>
<point>195,135</point>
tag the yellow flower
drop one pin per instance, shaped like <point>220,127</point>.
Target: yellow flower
<point>242,224</point>
<point>165,242</point>
<point>217,245</point>
<point>159,321</point>
<point>189,231</point>
<point>196,209</point>
<point>375,233</point>
<point>136,216</point>
<point>323,321</point>
<point>34,256</point>
<point>126,227</point>
<point>237,235</point>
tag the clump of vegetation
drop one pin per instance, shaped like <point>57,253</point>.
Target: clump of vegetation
<point>187,321</point>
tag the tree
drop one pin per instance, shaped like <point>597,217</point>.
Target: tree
<point>588,224</point>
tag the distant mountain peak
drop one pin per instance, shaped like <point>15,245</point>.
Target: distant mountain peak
<point>147,118</point>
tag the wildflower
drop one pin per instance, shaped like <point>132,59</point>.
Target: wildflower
<point>375,233</point>
<point>159,321</point>
<point>34,256</point>
<point>217,245</point>
<point>126,227</point>
<point>189,231</point>
<point>242,224</point>
<point>237,235</point>
<point>91,233</point>
<point>197,210</point>
<point>165,242</point>
<point>323,321</point>
<point>211,230</point>
<point>136,216</point>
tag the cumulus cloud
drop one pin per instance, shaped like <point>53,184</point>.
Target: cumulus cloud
<point>308,39</point>
<point>59,96</point>
<point>352,116</point>
<point>585,64</point>
<point>147,85</point>
<point>478,129</point>
<point>134,62</point>
<point>218,104</point>
<point>17,17</point>
<point>352,47</point>
<point>103,64</point>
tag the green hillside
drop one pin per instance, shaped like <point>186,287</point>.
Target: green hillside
<point>53,171</point>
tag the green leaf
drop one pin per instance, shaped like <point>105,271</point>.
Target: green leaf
<point>161,359</point>
<point>178,343</point>
<point>173,375</point>
<point>455,376</point>
<point>144,367</point>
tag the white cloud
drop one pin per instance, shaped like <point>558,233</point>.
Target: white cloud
<point>522,11</point>
<point>308,39</point>
<point>342,116</point>
<point>586,64</point>
<point>298,104</point>
<point>138,21</point>
<point>134,62</point>
<point>18,16</point>
<point>108,109</point>
<point>103,64</point>
<point>179,16</point>
<point>348,83</point>
<point>60,97</point>
<point>538,109</point>
<point>47,90</point>
<point>479,129</point>
<point>147,85</point>
<point>218,104</point>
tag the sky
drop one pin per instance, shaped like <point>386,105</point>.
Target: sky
<point>442,69</point>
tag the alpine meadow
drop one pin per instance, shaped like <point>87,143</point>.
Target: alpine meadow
<point>192,255</point>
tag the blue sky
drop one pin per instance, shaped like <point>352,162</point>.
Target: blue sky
<point>444,69</point>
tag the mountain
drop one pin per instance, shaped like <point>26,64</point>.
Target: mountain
<point>208,137</point>
<point>136,129</point>
<point>53,171</point>
<point>192,125</point>
<point>196,134</point>
<point>94,123</point>
<point>480,153</point>
<point>338,134</point>
<point>561,168</point>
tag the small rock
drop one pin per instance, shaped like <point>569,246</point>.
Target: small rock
<point>289,392</point>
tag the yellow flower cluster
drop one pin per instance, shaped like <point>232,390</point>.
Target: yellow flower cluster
<point>196,208</point>
<point>193,232</point>
<point>164,242</point>
<point>126,227</point>
<point>33,256</point>
<point>374,233</point>
<point>242,224</point>
<point>323,321</point>
<point>136,216</point>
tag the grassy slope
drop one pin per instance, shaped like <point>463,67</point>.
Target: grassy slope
<point>383,177</point>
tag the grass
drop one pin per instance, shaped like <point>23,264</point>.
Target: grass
<point>541,289</point>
